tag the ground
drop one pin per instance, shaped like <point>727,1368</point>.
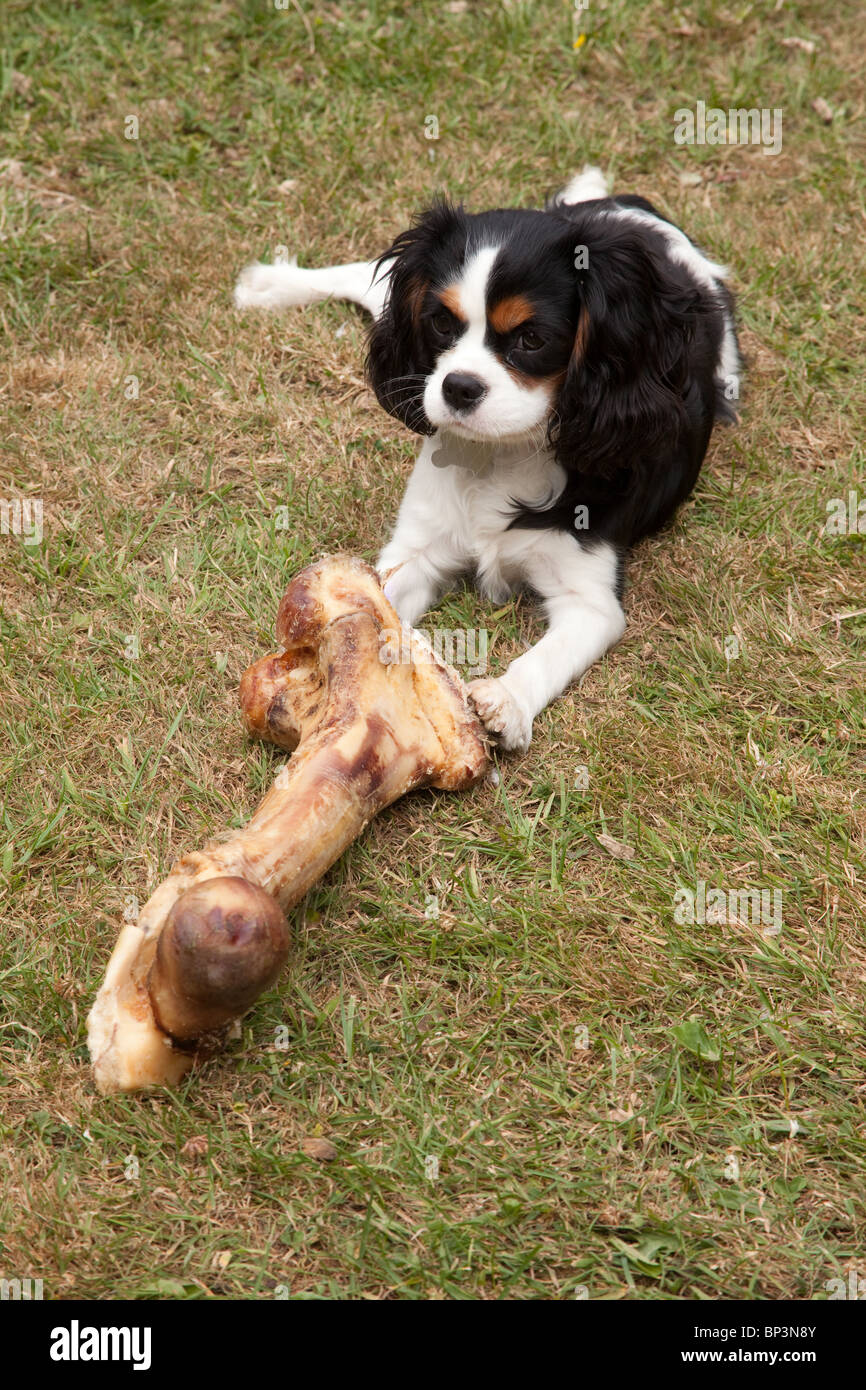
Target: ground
<point>559,1086</point>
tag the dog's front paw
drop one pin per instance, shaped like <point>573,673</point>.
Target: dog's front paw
<point>502,714</point>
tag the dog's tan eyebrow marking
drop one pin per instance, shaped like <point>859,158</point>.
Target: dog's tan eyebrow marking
<point>450,297</point>
<point>510,313</point>
<point>550,383</point>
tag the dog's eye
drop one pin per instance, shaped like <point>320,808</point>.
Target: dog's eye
<point>443,324</point>
<point>528,341</point>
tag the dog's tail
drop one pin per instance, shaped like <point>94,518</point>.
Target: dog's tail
<point>590,183</point>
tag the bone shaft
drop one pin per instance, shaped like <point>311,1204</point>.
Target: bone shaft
<point>310,817</point>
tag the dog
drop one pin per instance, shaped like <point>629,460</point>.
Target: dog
<point>565,368</point>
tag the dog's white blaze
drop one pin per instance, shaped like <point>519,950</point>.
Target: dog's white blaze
<point>472,291</point>
<point>508,410</point>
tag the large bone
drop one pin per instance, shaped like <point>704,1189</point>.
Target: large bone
<point>365,729</point>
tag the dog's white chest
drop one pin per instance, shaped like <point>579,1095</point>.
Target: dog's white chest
<point>478,487</point>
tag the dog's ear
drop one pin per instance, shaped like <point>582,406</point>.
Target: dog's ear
<point>625,388</point>
<point>398,360</point>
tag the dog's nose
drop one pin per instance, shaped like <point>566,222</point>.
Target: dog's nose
<point>462,390</point>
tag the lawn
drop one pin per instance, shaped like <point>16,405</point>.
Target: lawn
<point>536,1078</point>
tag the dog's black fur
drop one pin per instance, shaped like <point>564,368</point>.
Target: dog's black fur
<point>632,339</point>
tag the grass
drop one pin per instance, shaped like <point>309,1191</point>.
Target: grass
<point>618,1103</point>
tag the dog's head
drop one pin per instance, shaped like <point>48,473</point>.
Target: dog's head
<point>514,324</point>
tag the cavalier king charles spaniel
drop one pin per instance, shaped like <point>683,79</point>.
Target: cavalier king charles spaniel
<point>565,368</point>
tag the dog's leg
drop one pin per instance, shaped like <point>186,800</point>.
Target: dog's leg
<point>578,584</point>
<point>424,555</point>
<point>410,586</point>
<point>412,578</point>
<point>285,284</point>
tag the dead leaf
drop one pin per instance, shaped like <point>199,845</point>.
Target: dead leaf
<point>823,109</point>
<point>322,1149</point>
<point>805,45</point>
<point>619,1115</point>
<point>615,848</point>
<point>196,1146</point>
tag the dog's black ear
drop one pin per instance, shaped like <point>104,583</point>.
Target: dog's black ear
<point>398,360</point>
<point>626,388</point>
